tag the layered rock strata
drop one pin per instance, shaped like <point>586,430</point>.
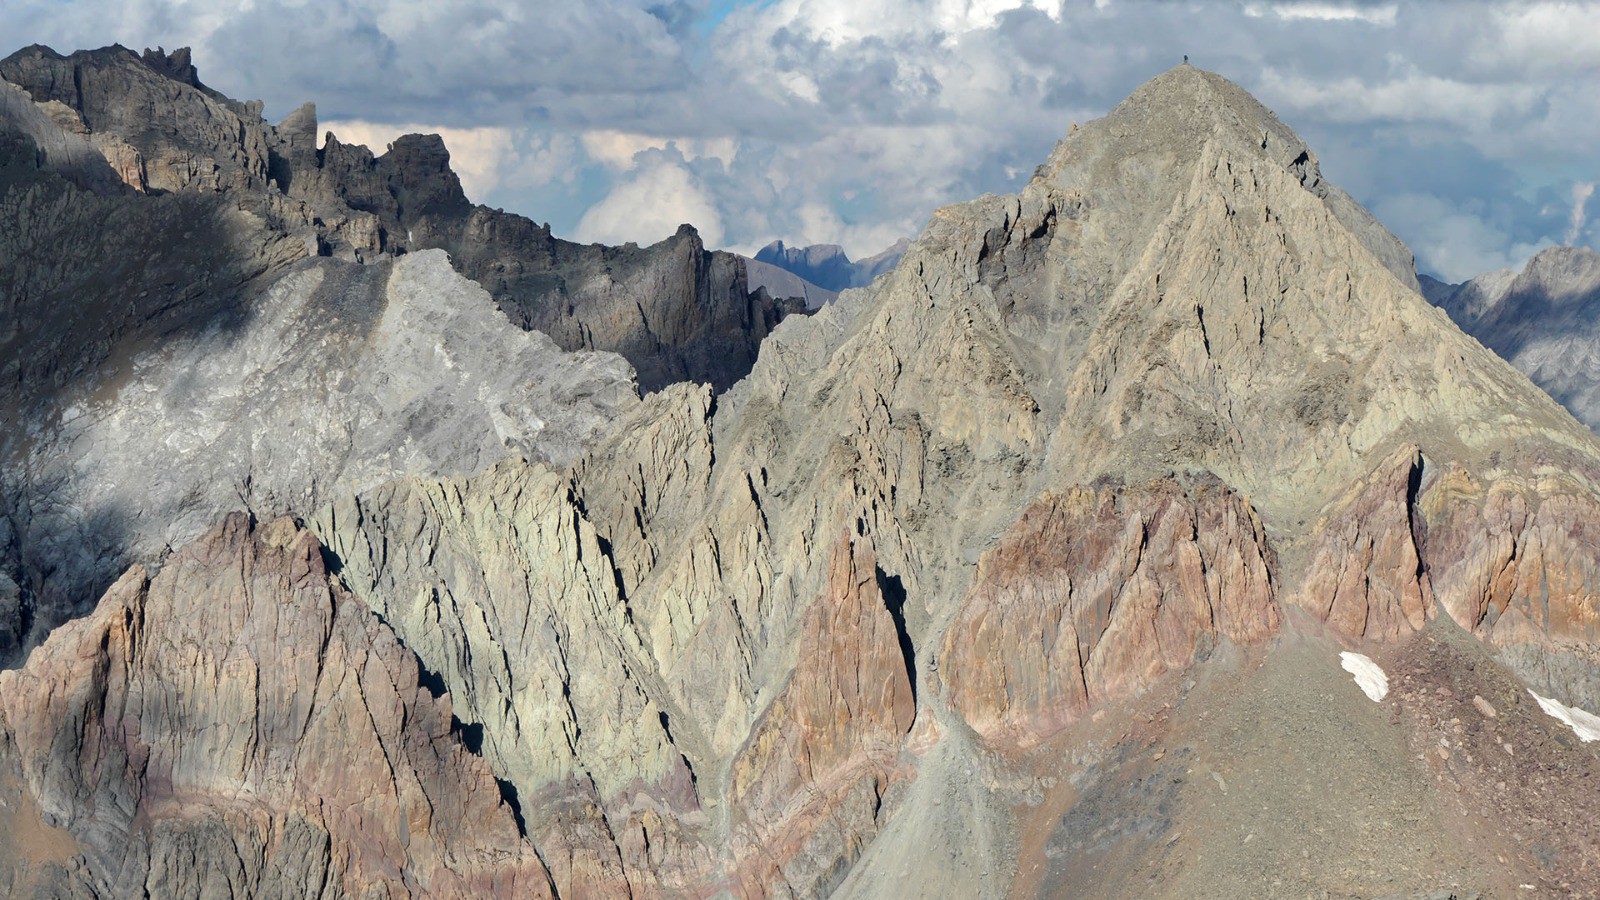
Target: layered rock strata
<point>918,587</point>
<point>238,726</point>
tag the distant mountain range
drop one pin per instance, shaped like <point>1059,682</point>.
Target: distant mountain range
<point>1544,319</point>
<point>819,272</point>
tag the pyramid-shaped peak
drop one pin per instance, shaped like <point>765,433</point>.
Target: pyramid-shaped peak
<point>1143,153</point>
<point>1195,88</point>
<point>1178,111</point>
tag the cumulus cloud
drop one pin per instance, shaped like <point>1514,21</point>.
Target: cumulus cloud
<point>849,121</point>
<point>1455,240</point>
<point>1326,12</point>
<point>650,205</point>
<point>1581,192</point>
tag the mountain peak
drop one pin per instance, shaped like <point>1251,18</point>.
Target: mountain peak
<point>1164,128</point>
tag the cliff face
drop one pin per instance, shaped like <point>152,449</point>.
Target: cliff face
<point>238,725</point>
<point>160,242</point>
<point>1081,439</point>
<point>1030,562</point>
<point>674,310</point>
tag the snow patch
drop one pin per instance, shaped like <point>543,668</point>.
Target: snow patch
<point>1585,725</point>
<point>1369,677</point>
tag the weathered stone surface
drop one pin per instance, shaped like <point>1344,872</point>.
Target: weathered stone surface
<point>1094,594</point>
<point>238,726</point>
<point>57,141</point>
<point>338,378</point>
<point>504,592</point>
<point>1514,559</point>
<point>1365,577</point>
<point>161,129</point>
<point>1176,393</point>
<point>674,310</point>
<point>810,781</point>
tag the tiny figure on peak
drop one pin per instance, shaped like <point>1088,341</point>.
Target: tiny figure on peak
<point>1186,59</point>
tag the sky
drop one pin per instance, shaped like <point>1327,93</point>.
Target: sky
<point>1472,129</point>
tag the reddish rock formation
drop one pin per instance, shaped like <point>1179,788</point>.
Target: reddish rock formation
<point>1365,577</point>
<point>239,708</point>
<point>827,748</point>
<point>1095,593</point>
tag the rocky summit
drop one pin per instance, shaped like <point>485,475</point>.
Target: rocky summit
<point>1037,567</point>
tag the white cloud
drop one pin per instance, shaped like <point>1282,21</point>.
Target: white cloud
<point>878,111</point>
<point>620,150</point>
<point>1540,38</point>
<point>1452,242</point>
<point>1581,192</point>
<point>1325,12</point>
<point>650,205</point>
<point>1410,96</point>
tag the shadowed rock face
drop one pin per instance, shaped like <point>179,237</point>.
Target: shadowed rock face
<point>1543,320</point>
<point>676,311</point>
<point>903,612</point>
<point>174,354</point>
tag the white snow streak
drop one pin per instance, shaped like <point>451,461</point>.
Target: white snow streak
<point>1369,677</point>
<point>1585,724</point>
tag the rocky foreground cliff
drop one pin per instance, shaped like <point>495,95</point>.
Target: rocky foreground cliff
<point>1024,571</point>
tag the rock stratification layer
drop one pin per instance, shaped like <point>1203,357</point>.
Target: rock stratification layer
<point>238,726</point>
<point>1170,425</point>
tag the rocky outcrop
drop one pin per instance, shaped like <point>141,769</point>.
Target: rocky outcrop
<point>506,594</point>
<point>674,310</point>
<point>338,378</point>
<point>810,782</point>
<point>1366,576</point>
<point>1095,594</point>
<point>152,119</point>
<point>1542,320</point>
<point>1514,560</point>
<point>852,623</point>
<point>237,725</point>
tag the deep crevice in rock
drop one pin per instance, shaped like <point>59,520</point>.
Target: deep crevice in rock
<point>893,591</point>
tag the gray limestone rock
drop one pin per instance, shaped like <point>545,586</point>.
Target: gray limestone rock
<point>338,378</point>
<point>1175,405</point>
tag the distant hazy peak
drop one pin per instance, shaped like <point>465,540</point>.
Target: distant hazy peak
<point>828,266</point>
